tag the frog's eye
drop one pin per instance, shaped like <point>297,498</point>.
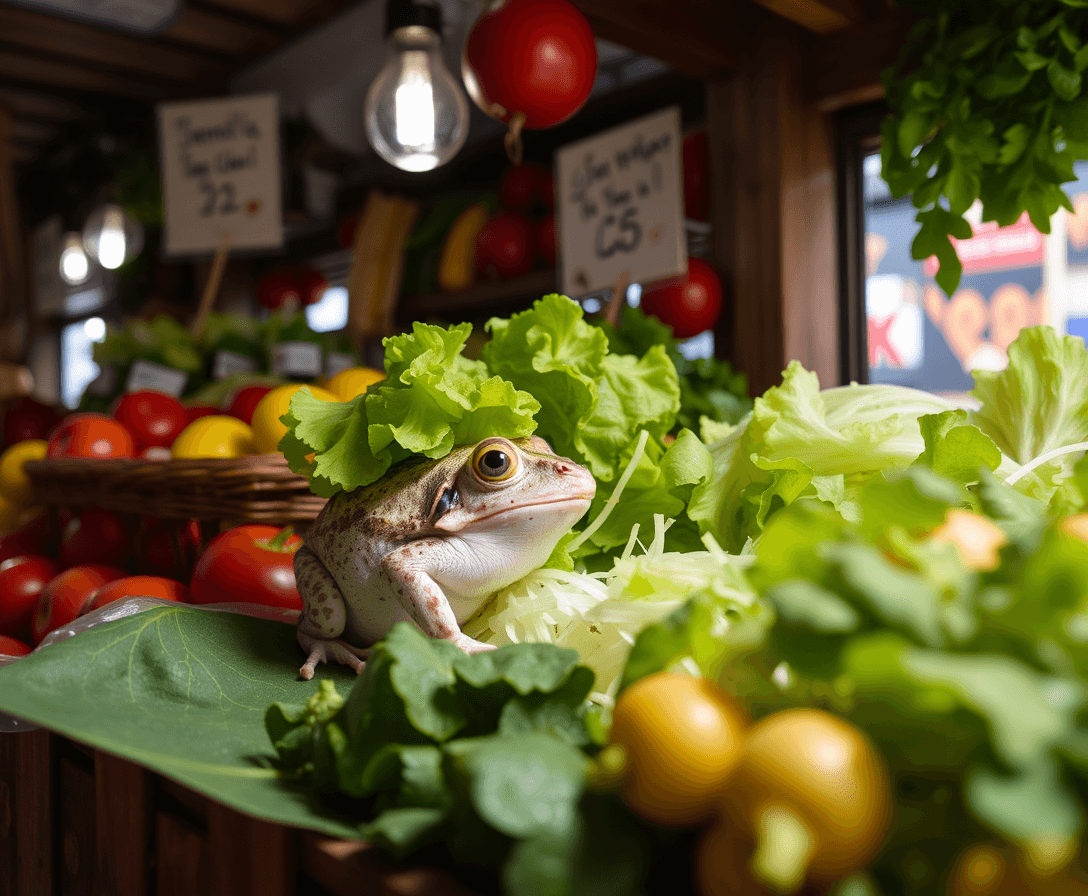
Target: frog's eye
<point>495,461</point>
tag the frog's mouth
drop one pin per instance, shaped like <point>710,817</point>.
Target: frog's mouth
<point>501,510</point>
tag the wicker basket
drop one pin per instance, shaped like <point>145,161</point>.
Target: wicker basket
<point>255,489</point>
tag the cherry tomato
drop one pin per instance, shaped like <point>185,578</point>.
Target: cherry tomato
<point>247,564</point>
<point>976,539</point>
<point>245,402</point>
<point>311,285</point>
<point>505,243</point>
<point>196,411</point>
<point>21,581</point>
<point>519,186</point>
<point>64,596</point>
<point>544,239</point>
<point>95,536</point>
<point>153,418</point>
<point>278,289</point>
<point>533,57</point>
<point>91,435</point>
<point>156,547</point>
<point>135,586</point>
<point>13,647</point>
<point>682,736</point>
<point>26,418</point>
<point>18,544</point>
<point>688,304</point>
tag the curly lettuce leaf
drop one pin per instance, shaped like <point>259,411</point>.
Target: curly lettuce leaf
<point>432,399</point>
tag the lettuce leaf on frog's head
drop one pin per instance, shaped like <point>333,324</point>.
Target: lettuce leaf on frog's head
<point>432,399</point>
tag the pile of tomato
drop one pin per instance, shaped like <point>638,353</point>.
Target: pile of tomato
<point>54,569</point>
<point>799,797</point>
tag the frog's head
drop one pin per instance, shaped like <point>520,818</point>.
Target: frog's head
<point>514,484</point>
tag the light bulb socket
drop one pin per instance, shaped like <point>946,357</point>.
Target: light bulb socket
<point>408,13</point>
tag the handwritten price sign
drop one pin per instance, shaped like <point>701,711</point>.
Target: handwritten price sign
<point>620,205</point>
<point>220,163</point>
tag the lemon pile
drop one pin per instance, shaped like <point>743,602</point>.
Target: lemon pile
<point>16,490</point>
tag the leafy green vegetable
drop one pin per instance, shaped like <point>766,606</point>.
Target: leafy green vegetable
<point>995,111</point>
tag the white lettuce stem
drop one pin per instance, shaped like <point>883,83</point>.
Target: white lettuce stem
<point>614,498</point>
<point>1045,458</point>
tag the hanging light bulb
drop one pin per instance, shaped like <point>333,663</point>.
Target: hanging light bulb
<point>416,114</point>
<point>112,237</point>
<point>74,266</point>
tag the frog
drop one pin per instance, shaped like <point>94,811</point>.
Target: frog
<point>430,542</point>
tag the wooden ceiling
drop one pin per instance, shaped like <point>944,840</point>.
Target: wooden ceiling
<point>56,73</point>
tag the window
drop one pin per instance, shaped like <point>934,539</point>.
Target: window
<point>1013,277</point>
<point>76,362</point>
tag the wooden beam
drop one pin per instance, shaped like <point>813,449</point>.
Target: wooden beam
<point>772,173</point>
<point>102,48</point>
<point>844,69</point>
<point>693,37</point>
<point>29,105</point>
<point>284,12</point>
<point>821,16</point>
<point>26,69</point>
<point>209,31</point>
<point>30,131</point>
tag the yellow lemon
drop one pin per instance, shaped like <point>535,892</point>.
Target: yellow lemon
<point>216,435</point>
<point>354,381</point>
<point>14,483</point>
<point>11,515</point>
<point>267,428</point>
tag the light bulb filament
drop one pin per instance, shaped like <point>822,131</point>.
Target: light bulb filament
<point>414,111</point>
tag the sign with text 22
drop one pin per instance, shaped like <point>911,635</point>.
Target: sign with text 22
<point>620,209</point>
<point>220,164</point>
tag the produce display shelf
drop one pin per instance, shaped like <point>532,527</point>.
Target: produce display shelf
<point>79,821</point>
<point>252,489</point>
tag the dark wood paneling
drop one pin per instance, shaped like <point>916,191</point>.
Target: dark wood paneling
<point>27,68</point>
<point>205,29</point>
<point>821,16</point>
<point>26,814</point>
<point>123,827</point>
<point>181,857</point>
<point>247,857</point>
<point>76,817</point>
<point>772,210</point>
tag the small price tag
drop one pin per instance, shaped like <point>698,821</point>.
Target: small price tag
<point>226,363</point>
<point>149,375</point>
<point>105,383</point>
<point>337,362</point>
<point>296,359</point>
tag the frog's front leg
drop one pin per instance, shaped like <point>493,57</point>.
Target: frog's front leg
<point>323,618</point>
<point>425,601</point>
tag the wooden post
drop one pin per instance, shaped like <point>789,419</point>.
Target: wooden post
<point>247,857</point>
<point>772,172</point>
<point>122,827</point>
<point>26,813</point>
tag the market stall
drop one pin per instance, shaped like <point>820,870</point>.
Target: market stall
<point>565,561</point>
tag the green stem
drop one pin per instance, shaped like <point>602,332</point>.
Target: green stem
<point>280,541</point>
<point>785,847</point>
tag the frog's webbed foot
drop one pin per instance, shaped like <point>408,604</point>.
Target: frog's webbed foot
<point>470,645</point>
<point>322,650</point>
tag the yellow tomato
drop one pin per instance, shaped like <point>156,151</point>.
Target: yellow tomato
<point>976,538</point>
<point>354,381</point>
<point>267,428</point>
<point>682,736</point>
<point>14,483</point>
<point>214,436</point>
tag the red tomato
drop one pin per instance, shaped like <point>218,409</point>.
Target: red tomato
<point>696,178</point>
<point>278,289</point>
<point>196,411</point>
<point>26,418</point>
<point>94,536</point>
<point>64,596</point>
<point>245,402</point>
<point>311,285</point>
<point>18,544</point>
<point>156,547</point>
<point>135,586</point>
<point>91,435</point>
<point>533,57</point>
<point>689,304</point>
<point>244,564</point>
<point>21,581</point>
<point>505,243</point>
<point>544,239</point>
<point>13,647</point>
<point>153,418</point>
<point>520,186</point>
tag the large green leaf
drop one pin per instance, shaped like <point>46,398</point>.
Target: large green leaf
<point>182,691</point>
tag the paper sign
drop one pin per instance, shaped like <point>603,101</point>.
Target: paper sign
<point>220,164</point>
<point>149,375</point>
<point>620,209</point>
<point>296,359</point>
<point>226,364</point>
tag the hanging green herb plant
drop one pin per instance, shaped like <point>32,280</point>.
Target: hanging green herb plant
<point>996,111</point>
